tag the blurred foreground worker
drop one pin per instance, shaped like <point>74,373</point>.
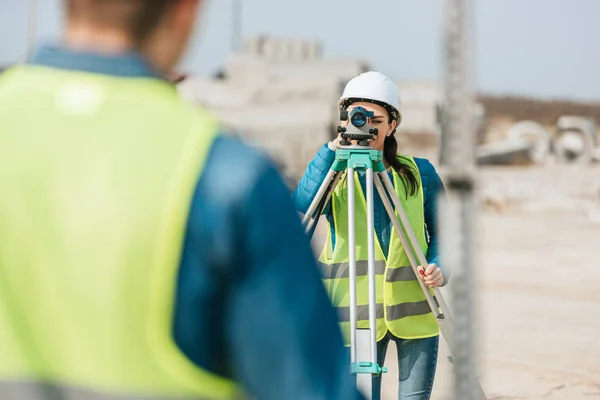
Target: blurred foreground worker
<point>144,255</point>
<point>403,314</point>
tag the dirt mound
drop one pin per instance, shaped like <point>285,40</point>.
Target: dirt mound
<point>546,112</point>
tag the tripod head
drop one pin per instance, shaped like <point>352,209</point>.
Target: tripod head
<point>358,127</point>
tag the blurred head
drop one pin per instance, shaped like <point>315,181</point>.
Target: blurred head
<point>159,29</point>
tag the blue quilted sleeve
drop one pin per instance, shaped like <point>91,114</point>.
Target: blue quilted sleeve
<point>313,177</point>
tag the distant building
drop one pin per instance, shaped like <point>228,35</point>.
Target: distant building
<point>281,94</point>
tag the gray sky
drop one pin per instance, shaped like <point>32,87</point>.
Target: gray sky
<point>545,48</point>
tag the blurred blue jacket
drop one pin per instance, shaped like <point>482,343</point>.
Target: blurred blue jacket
<point>432,188</point>
<point>250,304</point>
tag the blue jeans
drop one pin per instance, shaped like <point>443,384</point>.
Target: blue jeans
<point>417,360</point>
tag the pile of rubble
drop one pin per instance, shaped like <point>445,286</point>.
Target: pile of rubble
<point>574,140</point>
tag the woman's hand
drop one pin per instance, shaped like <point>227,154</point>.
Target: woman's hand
<point>432,276</point>
<point>335,144</point>
<point>337,141</point>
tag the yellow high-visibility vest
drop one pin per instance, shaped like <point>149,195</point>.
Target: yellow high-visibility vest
<point>97,176</point>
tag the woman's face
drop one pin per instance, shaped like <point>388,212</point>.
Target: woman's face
<point>380,120</point>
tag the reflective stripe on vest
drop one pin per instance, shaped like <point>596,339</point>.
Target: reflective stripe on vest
<point>342,270</point>
<point>393,312</point>
<point>96,192</point>
<point>401,306</point>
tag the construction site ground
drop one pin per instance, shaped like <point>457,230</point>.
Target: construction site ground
<point>538,277</point>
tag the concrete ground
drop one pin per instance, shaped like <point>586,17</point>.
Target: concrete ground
<point>539,274</point>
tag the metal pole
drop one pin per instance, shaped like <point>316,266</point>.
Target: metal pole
<point>457,217</point>
<point>371,266</point>
<point>31,29</point>
<point>352,262</point>
<point>236,26</point>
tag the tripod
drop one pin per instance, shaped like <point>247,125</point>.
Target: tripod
<point>363,342</point>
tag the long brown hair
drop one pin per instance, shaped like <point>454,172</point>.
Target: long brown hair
<point>149,16</point>
<point>404,169</point>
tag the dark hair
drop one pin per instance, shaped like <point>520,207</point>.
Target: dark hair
<point>390,149</point>
<point>405,170</point>
<point>148,17</point>
<point>138,17</point>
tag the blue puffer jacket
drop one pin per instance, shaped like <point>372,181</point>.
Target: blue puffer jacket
<point>432,187</point>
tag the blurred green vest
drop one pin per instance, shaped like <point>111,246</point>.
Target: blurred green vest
<point>97,177</point>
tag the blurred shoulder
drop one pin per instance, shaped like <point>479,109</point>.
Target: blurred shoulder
<point>234,168</point>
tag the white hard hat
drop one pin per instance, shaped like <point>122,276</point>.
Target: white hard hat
<point>375,87</point>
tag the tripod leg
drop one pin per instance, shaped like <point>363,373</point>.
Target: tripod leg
<point>364,345</point>
<point>371,266</point>
<point>352,263</point>
<point>364,381</point>
<point>412,238</point>
<point>319,202</point>
<point>315,203</point>
<point>330,191</point>
<point>388,207</point>
<point>444,320</point>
